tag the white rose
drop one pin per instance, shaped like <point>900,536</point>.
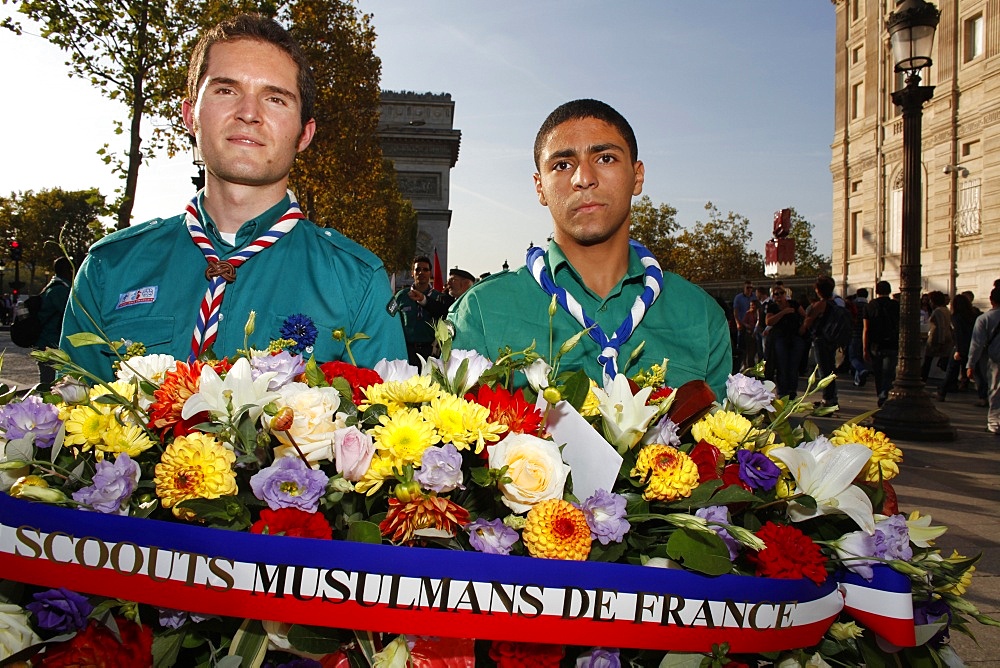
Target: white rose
<point>475,365</point>
<point>389,370</point>
<point>538,374</point>
<point>15,632</point>
<point>315,423</point>
<point>535,467</point>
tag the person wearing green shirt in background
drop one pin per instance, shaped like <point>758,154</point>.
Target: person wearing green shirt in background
<point>54,296</point>
<point>588,171</point>
<point>186,285</point>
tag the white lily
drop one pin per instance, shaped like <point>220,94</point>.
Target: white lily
<point>625,416</point>
<point>459,380</point>
<point>221,397</point>
<point>826,472</point>
<point>922,534</point>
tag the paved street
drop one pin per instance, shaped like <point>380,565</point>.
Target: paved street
<point>958,483</point>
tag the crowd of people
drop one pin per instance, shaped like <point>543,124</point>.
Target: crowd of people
<point>788,336</point>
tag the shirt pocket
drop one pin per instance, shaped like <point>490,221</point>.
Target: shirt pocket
<point>155,333</point>
<point>318,339</point>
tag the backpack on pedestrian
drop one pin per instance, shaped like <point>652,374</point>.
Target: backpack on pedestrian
<point>27,327</point>
<point>836,326</point>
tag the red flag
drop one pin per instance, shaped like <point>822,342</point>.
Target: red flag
<point>438,277</point>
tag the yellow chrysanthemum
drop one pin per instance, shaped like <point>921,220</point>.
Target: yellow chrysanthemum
<point>964,581</point>
<point>85,426</point>
<point>404,436</point>
<point>556,529</point>
<point>377,394</point>
<point>728,431</point>
<point>195,466</point>
<point>462,422</point>
<point>591,405</point>
<point>885,454</point>
<point>671,473</point>
<point>378,472</point>
<point>130,438</point>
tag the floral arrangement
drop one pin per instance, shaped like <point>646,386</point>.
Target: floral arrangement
<point>454,456</point>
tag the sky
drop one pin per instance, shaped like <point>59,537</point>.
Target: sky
<point>731,102</point>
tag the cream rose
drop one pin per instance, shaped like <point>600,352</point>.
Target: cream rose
<point>315,421</point>
<point>15,632</point>
<point>535,467</point>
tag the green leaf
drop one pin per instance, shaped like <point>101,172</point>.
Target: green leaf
<point>733,494</point>
<point>314,376</point>
<point>609,553</point>
<point>223,513</point>
<point>166,647</point>
<point>85,339</point>
<point>576,389</point>
<point>343,388</point>
<point>314,639</point>
<point>806,501</point>
<point>12,464</point>
<point>681,660</point>
<point>250,644</point>
<point>20,449</point>
<point>364,532</point>
<point>701,551</point>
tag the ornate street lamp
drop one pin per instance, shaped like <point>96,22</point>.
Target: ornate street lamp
<point>199,163</point>
<point>909,412</point>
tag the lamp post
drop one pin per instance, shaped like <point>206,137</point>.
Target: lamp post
<point>909,412</point>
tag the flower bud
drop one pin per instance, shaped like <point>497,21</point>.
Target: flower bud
<point>552,395</point>
<point>408,491</point>
<point>251,324</point>
<point>340,484</point>
<point>35,488</point>
<point>553,306</point>
<point>282,420</point>
<point>339,334</point>
<point>71,390</point>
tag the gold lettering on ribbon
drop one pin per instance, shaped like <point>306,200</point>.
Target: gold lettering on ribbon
<point>222,269</point>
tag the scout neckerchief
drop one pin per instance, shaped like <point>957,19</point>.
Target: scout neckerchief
<point>222,272</point>
<point>653,282</point>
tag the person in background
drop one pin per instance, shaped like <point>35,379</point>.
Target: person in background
<point>420,306</point>
<point>54,296</point>
<point>980,380</point>
<point>963,317</point>
<point>940,343</point>
<point>763,299</point>
<point>856,349</point>
<point>186,285</point>
<point>784,318</point>
<point>741,304</point>
<point>587,171</point>
<point>880,339</point>
<point>986,344</point>
<point>749,326</point>
<point>459,281</point>
<point>825,351</point>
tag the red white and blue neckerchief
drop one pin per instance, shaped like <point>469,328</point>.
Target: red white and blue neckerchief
<point>610,345</point>
<point>222,272</point>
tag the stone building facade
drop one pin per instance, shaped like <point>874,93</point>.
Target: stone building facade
<point>960,235</point>
<point>417,133</point>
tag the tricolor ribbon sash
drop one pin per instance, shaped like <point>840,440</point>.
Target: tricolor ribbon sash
<point>430,592</point>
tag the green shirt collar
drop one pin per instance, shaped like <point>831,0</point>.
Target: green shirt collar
<point>559,265</point>
<point>248,231</point>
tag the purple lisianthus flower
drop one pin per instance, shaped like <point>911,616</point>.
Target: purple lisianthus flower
<point>174,619</point>
<point>933,612</point>
<point>301,329</point>
<point>664,431</point>
<point>720,514</point>
<point>854,550</point>
<point>892,539</point>
<point>605,514</point>
<point>599,657</point>
<point>30,416</point>
<point>441,469</point>
<point>284,365</point>
<point>491,536</point>
<point>114,483</point>
<point>289,483</point>
<point>748,395</point>
<point>60,610</point>
<point>757,470</point>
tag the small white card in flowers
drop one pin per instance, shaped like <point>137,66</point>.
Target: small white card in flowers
<point>594,462</point>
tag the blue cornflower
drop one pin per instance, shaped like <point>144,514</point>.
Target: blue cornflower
<point>301,329</point>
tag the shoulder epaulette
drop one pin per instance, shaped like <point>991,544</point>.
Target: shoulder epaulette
<point>132,231</point>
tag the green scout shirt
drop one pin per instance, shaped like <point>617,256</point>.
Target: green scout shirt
<point>146,283</point>
<point>418,321</point>
<point>54,296</point>
<point>684,325</point>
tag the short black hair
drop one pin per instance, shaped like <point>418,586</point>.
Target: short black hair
<point>260,28</point>
<point>579,109</point>
<point>883,288</point>
<point>863,292</point>
<point>422,258</point>
<point>824,286</point>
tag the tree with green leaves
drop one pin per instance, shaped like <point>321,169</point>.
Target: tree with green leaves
<point>41,221</point>
<point>717,249</point>
<point>808,261</point>
<point>655,227</point>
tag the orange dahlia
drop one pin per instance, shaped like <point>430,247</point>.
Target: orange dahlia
<point>556,529</point>
<point>431,516</point>
<point>670,473</point>
<point>169,398</point>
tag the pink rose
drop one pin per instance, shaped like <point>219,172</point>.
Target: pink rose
<point>353,450</point>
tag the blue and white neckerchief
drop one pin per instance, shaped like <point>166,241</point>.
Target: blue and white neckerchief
<point>610,346</point>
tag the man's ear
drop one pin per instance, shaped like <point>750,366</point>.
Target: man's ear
<point>538,189</point>
<point>640,177</point>
<point>308,132</point>
<point>187,113</point>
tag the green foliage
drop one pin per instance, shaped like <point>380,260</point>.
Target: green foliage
<point>808,262</point>
<point>655,227</point>
<point>39,220</point>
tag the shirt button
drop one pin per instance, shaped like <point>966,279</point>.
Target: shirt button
<point>603,308</point>
<point>221,316</point>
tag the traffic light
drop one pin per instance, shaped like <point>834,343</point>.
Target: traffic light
<point>15,250</point>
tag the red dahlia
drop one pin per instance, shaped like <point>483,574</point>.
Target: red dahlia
<point>788,554</point>
<point>357,377</point>
<point>526,654</point>
<point>509,409</point>
<point>292,522</point>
